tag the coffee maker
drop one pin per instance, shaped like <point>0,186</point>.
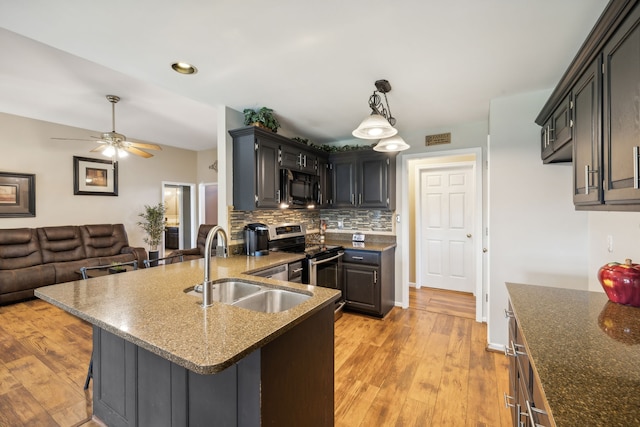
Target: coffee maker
<point>256,239</point>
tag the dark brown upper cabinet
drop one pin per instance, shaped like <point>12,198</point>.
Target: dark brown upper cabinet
<point>363,179</point>
<point>258,156</point>
<point>600,90</point>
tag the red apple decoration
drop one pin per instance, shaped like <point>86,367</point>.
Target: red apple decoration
<point>620,322</point>
<point>621,282</point>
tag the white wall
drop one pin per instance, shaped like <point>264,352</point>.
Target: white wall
<point>536,236</point>
<point>26,147</point>
<point>206,159</point>
<point>624,229</point>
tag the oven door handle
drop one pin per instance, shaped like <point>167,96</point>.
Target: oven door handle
<point>313,263</point>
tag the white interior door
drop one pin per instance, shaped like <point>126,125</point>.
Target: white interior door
<point>446,228</point>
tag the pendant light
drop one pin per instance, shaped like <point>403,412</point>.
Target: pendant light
<point>374,127</point>
<point>392,144</point>
<point>380,124</point>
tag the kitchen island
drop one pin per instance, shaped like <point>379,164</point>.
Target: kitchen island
<point>584,351</point>
<point>160,358</point>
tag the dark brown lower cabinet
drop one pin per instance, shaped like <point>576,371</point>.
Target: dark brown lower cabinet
<point>525,398</point>
<point>287,382</point>
<point>368,278</point>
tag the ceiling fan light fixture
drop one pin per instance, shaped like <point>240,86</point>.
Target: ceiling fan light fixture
<point>122,153</point>
<point>184,68</point>
<point>391,145</point>
<point>374,126</point>
<point>109,151</point>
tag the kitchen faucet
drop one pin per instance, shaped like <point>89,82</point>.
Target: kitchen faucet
<point>221,251</point>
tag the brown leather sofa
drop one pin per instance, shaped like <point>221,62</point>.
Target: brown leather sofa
<point>198,251</point>
<point>34,257</point>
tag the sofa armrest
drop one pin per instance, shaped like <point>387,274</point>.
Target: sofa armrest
<point>139,253</point>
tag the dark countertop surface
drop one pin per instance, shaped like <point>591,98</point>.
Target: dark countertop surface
<point>586,351</point>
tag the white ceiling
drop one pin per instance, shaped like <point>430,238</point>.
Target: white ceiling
<point>313,62</point>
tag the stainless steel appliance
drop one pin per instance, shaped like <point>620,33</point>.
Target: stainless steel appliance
<point>297,189</point>
<point>281,272</point>
<point>256,239</point>
<point>295,272</point>
<point>322,265</point>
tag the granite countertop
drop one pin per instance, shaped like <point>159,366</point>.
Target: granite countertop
<point>149,308</point>
<point>586,351</point>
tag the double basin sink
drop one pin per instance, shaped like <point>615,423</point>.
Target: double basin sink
<point>251,296</point>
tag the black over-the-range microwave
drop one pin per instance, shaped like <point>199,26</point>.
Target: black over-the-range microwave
<point>297,189</point>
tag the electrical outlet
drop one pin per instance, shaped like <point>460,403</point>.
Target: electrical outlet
<point>340,225</point>
<point>610,243</point>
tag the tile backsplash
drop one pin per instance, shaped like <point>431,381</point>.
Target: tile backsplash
<point>365,220</point>
<point>310,218</point>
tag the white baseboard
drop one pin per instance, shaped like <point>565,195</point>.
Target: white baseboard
<point>495,347</point>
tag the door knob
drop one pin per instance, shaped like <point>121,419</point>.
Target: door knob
<point>469,236</point>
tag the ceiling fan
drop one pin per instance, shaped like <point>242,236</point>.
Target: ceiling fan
<point>114,144</point>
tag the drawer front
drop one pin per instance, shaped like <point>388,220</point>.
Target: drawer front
<point>361,257</point>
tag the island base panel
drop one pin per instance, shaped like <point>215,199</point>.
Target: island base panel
<point>288,380</point>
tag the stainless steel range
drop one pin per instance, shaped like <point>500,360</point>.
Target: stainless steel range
<point>322,265</point>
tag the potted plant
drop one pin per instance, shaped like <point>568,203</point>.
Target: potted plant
<point>263,117</point>
<point>116,268</point>
<point>153,223</point>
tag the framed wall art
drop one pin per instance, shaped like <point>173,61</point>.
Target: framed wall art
<point>17,195</point>
<point>95,177</point>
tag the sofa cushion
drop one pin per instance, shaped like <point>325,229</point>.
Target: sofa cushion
<point>103,240</point>
<point>60,244</point>
<point>27,278</point>
<point>19,248</point>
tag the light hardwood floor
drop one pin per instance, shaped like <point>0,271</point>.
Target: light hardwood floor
<point>424,366</point>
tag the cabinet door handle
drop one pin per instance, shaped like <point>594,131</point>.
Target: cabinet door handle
<point>513,351</point>
<point>359,258</point>
<point>360,199</point>
<point>353,199</point>
<point>507,398</point>
<point>375,276</point>
<point>587,178</point>
<point>636,167</point>
<point>530,411</point>
<point>278,195</point>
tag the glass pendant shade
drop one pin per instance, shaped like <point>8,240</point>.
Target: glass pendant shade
<point>109,151</point>
<point>374,127</point>
<point>392,144</point>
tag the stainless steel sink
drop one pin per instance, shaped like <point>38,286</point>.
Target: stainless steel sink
<point>271,301</point>
<point>251,296</point>
<point>228,291</point>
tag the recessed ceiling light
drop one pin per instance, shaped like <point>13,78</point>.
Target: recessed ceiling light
<point>184,68</point>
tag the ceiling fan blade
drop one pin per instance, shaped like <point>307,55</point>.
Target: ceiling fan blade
<point>99,148</point>
<point>73,139</point>
<point>137,152</point>
<point>143,145</point>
